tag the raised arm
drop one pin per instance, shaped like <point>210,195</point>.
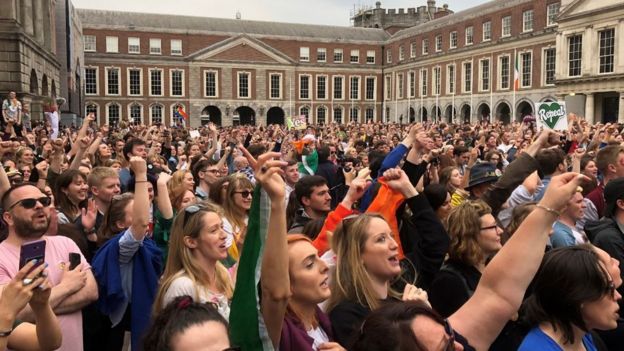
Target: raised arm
<point>140,210</point>
<point>162,200</point>
<point>506,278</point>
<point>83,144</point>
<point>213,144</point>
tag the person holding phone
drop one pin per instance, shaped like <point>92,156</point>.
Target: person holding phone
<point>28,215</point>
<point>30,286</point>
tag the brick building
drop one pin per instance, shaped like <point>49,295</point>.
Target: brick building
<point>449,66</point>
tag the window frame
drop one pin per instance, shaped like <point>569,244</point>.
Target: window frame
<point>388,56</point>
<point>151,112</point>
<point>339,52</point>
<point>525,21</point>
<point>85,43</point>
<point>132,104</point>
<point>425,46</point>
<point>487,24</point>
<point>469,33</point>
<point>504,26</point>
<point>152,47</point>
<point>318,55</point>
<point>369,56</point>
<point>97,78</point>
<point>108,115</point>
<point>501,73</point>
<point>280,80</point>
<point>482,72</point>
<point>400,85</point>
<point>453,40</point>
<point>550,16</point>
<point>351,56</point>
<point>183,81</point>
<point>374,90</point>
<point>309,92</point>
<point>569,53</point>
<point>106,82</point>
<point>464,75</point>
<point>216,83</point>
<point>171,47</point>
<point>545,66</point>
<point>239,74</point>
<point>342,87</point>
<point>424,86</point>
<point>162,81</point>
<point>109,49</point>
<point>359,87</point>
<point>302,54</point>
<point>602,64</point>
<point>130,45</point>
<point>451,79</point>
<point>316,81</point>
<point>129,83</point>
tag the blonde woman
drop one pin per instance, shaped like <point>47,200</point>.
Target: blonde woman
<point>181,179</point>
<point>196,246</point>
<point>236,204</point>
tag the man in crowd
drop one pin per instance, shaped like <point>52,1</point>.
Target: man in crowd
<point>134,147</point>
<point>312,194</point>
<point>205,173</point>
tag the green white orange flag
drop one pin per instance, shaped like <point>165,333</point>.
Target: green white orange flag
<point>516,73</point>
<point>247,328</point>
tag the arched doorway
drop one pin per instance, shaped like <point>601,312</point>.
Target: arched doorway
<point>483,111</point>
<point>450,113</point>
<point>34,82</point>
<point>436,113</point>
<point>246,115</point>
<point>524,108</point>
<point>465,113</point>
<point>275,115</point>
<point>412,115</point>
<point>423,114</point>
<point>503,112</point>
<point>53,89</point>
<point>45,89</point>
<point>212,114</point>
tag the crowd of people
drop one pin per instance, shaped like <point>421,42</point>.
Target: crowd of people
<point>364,237</point>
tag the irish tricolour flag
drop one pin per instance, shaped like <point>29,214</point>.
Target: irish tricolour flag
<point>516,74</point>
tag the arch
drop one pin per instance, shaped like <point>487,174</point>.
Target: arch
<point>465,111</point>
<point>246,115</point>
<point>45,89</point>
<point>305,111</point>
<point>450,113</point>
<point>483,111</point>
<point>524,108</point>
<point>321,114</point>
<point>412,115</point>
<point>275,115</point>
<point>502,112</point>
<point>338,114</point>
<point>369,114</point>
<point>156,113</point>
<point>53,89</point>
<point>92,107</point>
<point>210,113</point>
<point>34,82</point>
<point>135,111</point>
<point>548,98</point>
<point>175,116</point>
<point>354,114</point>
<point>113,114</point>
<point>423,114</point>
<point>436,113</point>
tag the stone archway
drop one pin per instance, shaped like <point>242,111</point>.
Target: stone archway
<point>423,114</point>
<point>412,115</point>
<point>503,112</point>
<point>450,113</point>
<point>436,113</point>
<point>483,111</point>
<point>246,115</point>
<point>524,108</point>
<point>212,114</point>
<point>275,115</point>
<point>465,113</point>
<point>34,82</point>
<point>45,89</point>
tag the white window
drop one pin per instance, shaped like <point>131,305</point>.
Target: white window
<point>423,82</point>
<point>550,59</point>
<point>156,82</point>
<point>411,82</point>
<point>304,54</point>
<point>552,10</point>
<point>91,81</point>
<point>136,113</point>
<point>112,44</point>
<point>370,57</point>
<point>89,43</point>
<point>469,35</point>
<point>338,115</point>
<point>354,88</point>
<point>413,50</point>
<point>487,31</point>
<point>388,92</point>
<point>321,55</point>
<point>176,47</point>
<point>275,86</point>
<point>527,21</point>
<point>113,114</point>
<point>244,85</point>
<point>437,80</point>
<point>156,113</point>
<point>450,79</point>
<point>321,87</point>
<point>211,84</point>
<point>425,46</point>
<point>321,114</point>
<point>401,53</point>
<point>112,81</point>
<point>355,56</point>
<point>504,68</point>
<point>135,81</point>
<point>400,86</point>
<point>389,56</point>
<point>338,87</point>
<point>526,71</point>
<point>575,55</point>
<point>354,113</point>
<point>155,48</point>
<point>370,88</point>
<point>370,114</point>
<point>467,77</point>
<point>485,75</point>
<point>304,86</point>
<point>438,43</point>
<point>506,24</point>
<point>606,50</point>
<point>453,40</point>
<point>338,56</point>
<point>134,45</point>
<point>176,82</point>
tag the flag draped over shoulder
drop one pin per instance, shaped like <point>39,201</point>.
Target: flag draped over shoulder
<point>247,328</point>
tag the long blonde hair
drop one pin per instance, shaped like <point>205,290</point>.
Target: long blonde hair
<point>180,259</point>
<point>231,211</point>
<point>351,281</point>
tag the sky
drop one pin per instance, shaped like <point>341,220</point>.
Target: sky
<point>329,12</point>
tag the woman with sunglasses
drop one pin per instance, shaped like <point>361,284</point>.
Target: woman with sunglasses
<point>294,278</point>
<point>574,292</point>
<point>196,247</point>
<point>495,301</point>
<point>236,204</point>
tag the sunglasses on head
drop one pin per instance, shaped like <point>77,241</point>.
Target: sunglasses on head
<point>189,211</point>
<point>31,203</point>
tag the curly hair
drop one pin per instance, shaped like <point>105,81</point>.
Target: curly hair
<point>464,227</point>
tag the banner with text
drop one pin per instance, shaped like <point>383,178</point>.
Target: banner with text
<point>551,115</point>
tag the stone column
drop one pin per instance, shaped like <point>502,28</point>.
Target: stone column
<point>589,108</point>
<point>38,21</point>
<point>27,16</point>
<point>621,108</point>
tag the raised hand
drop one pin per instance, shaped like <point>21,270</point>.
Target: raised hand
<point>413,293</point>
<point>138,165</point>
<point>89,215</point>
<point>269,174</point>
<point>561,189</point>
<point>19,291</point>
<point>397,180</point>
<point>164,178</point>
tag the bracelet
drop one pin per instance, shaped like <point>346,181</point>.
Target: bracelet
<point>548,209</point>
<point>141,181</point>
<point>5,333</point>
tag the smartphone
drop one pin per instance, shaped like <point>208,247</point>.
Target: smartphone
<point>74,260</point>
<point>32,251</point>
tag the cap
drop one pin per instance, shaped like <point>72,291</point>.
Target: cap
<point>481,173</point>
<point>613,191</point>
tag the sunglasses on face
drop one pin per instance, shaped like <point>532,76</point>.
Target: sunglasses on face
<point>245,193</point>
<point>28,204</point>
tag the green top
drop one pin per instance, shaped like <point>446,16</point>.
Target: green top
<point>162,230</point>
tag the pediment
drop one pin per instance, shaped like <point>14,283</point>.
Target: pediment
<point>241,48</point>
<point>581,7</point>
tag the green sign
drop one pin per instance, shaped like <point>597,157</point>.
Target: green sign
<point>551,115</point>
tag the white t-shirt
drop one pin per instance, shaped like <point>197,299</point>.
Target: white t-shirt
<point>229,229</point>
<point>319,336</point>
<point>183,285</point>
<point>53,118</point>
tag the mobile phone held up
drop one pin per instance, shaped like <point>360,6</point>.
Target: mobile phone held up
<point>32,251</point>
<point>74,260</point>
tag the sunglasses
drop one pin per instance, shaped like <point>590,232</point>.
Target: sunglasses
<point>244,193</point>
<point>189,211</point>
<point>31,203</point>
